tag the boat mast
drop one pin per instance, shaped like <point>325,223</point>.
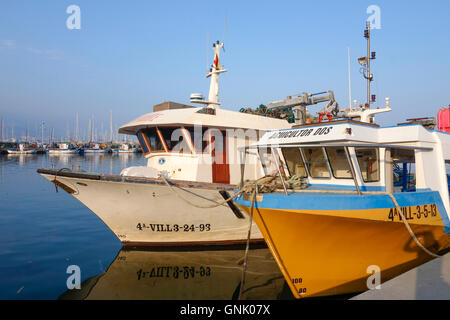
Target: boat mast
<point>110,126</point>
<point>42,132</point>
<point>365,62</point>
<point>369,75</point>
<point>213,96</point>
<point>364,113</point>
<point>76,127</point>
<point>214,72</point>
<point>3,131</point>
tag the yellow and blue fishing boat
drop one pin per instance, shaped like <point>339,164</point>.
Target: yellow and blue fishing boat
<point>354,211</point>
<point>349,199</point>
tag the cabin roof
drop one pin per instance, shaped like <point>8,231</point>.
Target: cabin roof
<point>351,132</point>
<point>197,116</point>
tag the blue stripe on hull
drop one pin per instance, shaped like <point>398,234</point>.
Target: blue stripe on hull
<point>347,188</point>
<point>330,201</point>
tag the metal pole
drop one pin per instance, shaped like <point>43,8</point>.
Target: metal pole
<point>243,154</point>
<point>368,64</point>
<point>42,132</point>
<point>352,168</point>
<point>278,167</point>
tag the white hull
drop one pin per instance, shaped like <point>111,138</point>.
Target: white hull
<point>151,214</point>
<point>124,151</point>
<point>22,152</point>
<point>95,151</point>
<point>62,151</point>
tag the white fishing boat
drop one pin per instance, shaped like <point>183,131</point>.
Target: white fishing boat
<point>193,164</point>
<point>22,150</point>
<point>95,149</point>
<point>63,148</point>
<point>125,148</point>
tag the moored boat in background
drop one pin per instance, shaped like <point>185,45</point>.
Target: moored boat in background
<point>124,148</point>
<point>95,149</point>
<point>62,148</point>
<point>22,150</point>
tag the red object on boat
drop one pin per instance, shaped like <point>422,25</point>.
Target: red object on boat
<point>322,114</point>
<point>444,120</point>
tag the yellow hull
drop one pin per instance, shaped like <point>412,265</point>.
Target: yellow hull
<point>329,253</point>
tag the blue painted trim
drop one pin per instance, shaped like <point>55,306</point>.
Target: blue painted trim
<point>330,201</point>
<point>341,187</point>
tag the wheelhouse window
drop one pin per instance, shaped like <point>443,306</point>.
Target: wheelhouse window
<point>199,138</point>
<point>369,164</point>
<point>339,164</point>
<point>142,142</point>
<point>294,162</point>
<point>316,162</point>
<point>169,138</point>
<point>404,170</point>
<point>153,140</point>
<point>160,139</point>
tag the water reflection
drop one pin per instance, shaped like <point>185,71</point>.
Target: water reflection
<point>95,162</point>
<point>43,235</point>
<point>188,275</point>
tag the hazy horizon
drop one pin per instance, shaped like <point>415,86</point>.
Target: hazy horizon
<point>129,56</point>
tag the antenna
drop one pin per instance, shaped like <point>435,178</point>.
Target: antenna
<point>365,62</point>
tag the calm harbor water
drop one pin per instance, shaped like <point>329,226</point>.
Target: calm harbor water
<point>43,232</point>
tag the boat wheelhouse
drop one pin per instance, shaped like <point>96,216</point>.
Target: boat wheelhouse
<point>197,144</point>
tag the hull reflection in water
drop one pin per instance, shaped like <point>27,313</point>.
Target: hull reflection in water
<point>186,275</point>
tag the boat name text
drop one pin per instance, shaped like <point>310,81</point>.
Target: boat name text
<point>174,227</point>
<point>301,133</point>
<point>175,272</point>
<point>415,212</point>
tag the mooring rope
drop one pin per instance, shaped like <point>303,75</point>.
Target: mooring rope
<point>244,268</point>
<point>408,227</point>
<point>218,204</point>
<point>56,174</point>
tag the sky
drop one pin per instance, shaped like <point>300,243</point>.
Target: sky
<point>130,55</point>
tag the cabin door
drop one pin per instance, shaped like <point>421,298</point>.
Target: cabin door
<point>220,165</point>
